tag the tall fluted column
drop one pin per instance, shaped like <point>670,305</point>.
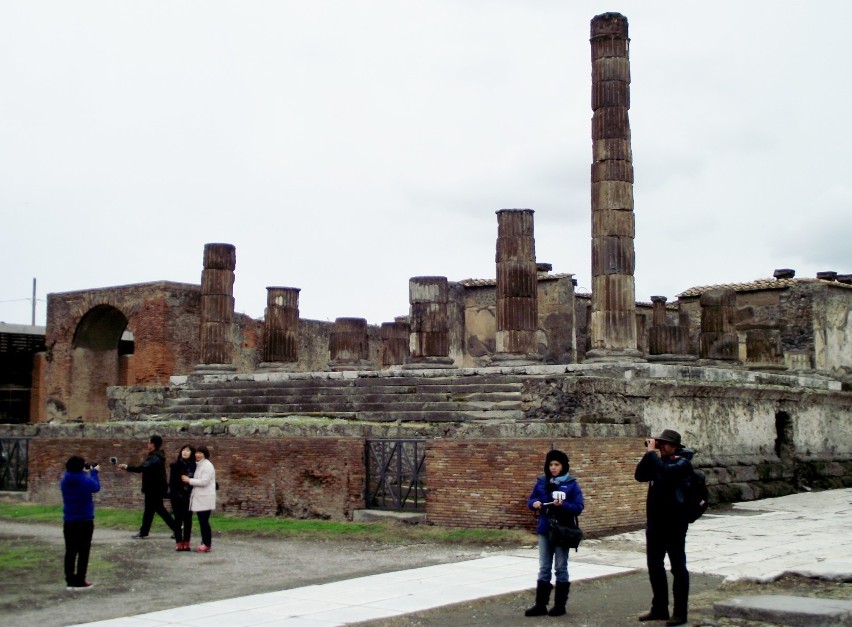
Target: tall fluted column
<point>281,328</point>
<point>613,323</point>
<point>217,307</point>
<point>428,297</point>
<point>517,287</point>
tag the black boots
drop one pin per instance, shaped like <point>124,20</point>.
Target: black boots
<point>560,598</point>
<point>542,598</point>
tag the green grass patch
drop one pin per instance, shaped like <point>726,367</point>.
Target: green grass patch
<point>17,556</point>
<point>389,531</point>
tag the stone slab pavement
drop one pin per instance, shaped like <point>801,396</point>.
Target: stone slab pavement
<point>806,534</point>
<point>787,610</point>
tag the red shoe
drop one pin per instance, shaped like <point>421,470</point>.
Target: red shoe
<point>179,546</point>
<point>202,548</point>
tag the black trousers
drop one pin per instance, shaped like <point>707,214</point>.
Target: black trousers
<point>669,538</point>
<point>183,519</point>
<point>204,525</point>
<point>154,505</point>
<point>78,543</point>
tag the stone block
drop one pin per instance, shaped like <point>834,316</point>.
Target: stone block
<point>787,610</point>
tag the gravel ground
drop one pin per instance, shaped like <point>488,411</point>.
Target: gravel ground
<point>137,576</point>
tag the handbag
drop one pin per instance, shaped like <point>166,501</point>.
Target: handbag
<point>565,534</point>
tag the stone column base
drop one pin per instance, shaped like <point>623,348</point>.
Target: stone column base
<point>214,369</point>
<point>766,367</point>
<point>720,363</point>
<point>672,358</point>
<point>612,355</point>
<point>423,363</point>
<point>515,359</point>
<point>277,366</point>
<point>350,366</point>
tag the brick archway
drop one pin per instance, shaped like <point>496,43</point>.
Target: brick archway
<point>96,362</point>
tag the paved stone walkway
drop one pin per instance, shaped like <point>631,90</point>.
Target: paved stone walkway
<point>806,534</point>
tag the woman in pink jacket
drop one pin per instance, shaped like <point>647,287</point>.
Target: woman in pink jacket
<point>202,499</point>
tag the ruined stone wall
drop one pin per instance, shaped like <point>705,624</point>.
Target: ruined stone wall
<point>480,320</point>
<point>833,331</point>
<point>486,483</point>
<point>556,314</point>
<point>555,337</point>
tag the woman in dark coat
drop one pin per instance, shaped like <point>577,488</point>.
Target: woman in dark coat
<point>179,495</point>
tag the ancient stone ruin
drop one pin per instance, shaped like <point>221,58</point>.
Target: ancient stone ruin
<point>480,378</point>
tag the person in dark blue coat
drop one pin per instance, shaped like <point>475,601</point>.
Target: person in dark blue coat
<point>665,467</point>
<point>556,494</point>
<point>78,484</point>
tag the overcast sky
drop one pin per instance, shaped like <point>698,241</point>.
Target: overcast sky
<point>344,147</point>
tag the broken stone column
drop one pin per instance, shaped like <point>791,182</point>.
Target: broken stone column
<point>430,330</point>
<point>348,345</point>
<point>718,339</point>
<point>396,343</point>
<point>517,287</point>
<point>217,308</point>
<point>613,321</point>
<point>763,350</point>
<point>667,343</point>
<point>281,328</point>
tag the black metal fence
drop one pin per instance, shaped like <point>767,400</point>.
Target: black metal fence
<point>396,475</point>
<point>14,464</point>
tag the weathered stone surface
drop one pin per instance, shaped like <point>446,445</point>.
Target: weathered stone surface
<point>787,610</point>
<point>613,222</point>
<point>395,343</point>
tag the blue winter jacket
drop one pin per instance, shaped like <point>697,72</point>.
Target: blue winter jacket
<point>77,489</point>
<point>544,487</point>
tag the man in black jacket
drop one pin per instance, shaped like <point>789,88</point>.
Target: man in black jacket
<point>665,467</point>
<point>154,486</point>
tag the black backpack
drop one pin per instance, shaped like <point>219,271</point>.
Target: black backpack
<point>696,498</point>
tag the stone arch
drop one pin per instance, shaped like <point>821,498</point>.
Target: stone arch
<point>99,359</point>
<point>785,446</point>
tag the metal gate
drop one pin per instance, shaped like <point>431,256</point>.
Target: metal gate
<point>13,464</point>
<point>396,475</point>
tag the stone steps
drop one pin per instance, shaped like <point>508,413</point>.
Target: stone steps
<point>369,398</point>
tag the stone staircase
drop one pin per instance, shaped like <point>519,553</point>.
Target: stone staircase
<point>399,398</point>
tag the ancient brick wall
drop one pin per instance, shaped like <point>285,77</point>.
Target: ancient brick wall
<point>82,335</point>
<point>293,477</point>
<point>486,483</point>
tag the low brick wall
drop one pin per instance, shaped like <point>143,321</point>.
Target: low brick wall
<point>486,483</point>
<point>480,483</point>
<point>294,477</point>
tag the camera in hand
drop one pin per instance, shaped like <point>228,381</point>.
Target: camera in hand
<point>90,465</point>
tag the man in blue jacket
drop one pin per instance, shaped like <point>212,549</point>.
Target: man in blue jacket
<point>665,467</point>
<point>78,514</point>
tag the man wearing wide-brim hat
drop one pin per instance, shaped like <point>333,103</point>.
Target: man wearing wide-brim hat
<point>665,466</point>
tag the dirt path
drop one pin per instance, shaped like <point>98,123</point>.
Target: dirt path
<point>137,576</point>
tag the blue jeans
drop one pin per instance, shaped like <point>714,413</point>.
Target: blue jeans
<point>550,556</point>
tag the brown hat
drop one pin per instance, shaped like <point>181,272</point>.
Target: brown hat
<point>672,437</point>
